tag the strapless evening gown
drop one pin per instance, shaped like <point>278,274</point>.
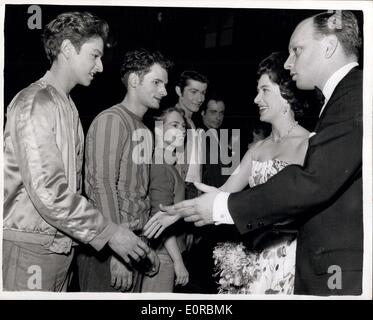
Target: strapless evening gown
<point>269,270</point>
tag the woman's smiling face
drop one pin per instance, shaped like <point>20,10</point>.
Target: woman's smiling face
<point>174,129</point>
<point>269,99</point>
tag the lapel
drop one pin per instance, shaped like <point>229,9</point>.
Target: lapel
<point>333,97</point>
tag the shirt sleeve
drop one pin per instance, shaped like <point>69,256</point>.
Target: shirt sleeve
<point>221,213</point>
<point>161,187</point>
<point>33,132</point>
<point>104,146</point>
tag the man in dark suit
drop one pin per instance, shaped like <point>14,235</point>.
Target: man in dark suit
<point>324,196</point>
<point>212,115</point>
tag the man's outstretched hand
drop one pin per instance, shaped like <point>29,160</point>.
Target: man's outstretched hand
<point>197,210</point>
<point>128,245</point>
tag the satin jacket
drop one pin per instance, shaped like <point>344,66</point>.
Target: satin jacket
<point>43,153</point>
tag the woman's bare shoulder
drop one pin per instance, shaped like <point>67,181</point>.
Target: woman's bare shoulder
<point>302,132</point>
<point>258,145</point>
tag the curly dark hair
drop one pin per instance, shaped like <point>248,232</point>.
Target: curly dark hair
<point>190,75</point>
<point>140,61</point>
<point>273,66</point>
<point>78,27</point>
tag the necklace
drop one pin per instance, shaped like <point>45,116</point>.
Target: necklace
<point>278,139</point>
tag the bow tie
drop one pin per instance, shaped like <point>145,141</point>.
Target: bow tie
<point>319,96</point>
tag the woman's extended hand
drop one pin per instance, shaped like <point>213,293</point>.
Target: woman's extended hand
<point>160,221</point>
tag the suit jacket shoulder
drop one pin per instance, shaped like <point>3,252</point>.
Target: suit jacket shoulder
<point>346,101</point>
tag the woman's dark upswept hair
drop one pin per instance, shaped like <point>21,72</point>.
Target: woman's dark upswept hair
<point>78,27</point>
<point>273,66</point>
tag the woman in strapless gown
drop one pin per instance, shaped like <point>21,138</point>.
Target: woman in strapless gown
<point>269,266</point>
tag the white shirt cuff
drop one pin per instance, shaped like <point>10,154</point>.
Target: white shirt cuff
<point>220,212</point>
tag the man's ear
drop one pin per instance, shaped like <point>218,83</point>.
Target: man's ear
<point>178,91</point>
<point>67,48</point>
<point>331,45</point>
<point>133,80</point>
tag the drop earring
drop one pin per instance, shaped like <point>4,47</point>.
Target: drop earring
<point>286,108</point>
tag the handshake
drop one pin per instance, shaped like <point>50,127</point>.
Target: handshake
<point>197,210</point>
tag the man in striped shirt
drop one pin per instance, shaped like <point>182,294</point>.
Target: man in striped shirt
<point>118,154</point>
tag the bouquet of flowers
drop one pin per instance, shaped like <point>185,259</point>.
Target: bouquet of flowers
<point>237,267</point>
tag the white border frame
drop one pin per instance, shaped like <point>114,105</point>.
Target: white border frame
<point>365,6</point>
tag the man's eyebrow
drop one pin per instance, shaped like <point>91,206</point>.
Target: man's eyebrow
<point>196,89</point>
<point>299,44</point>
<point>98,51</point>
<point>158,79</point>
<point>292,45</point>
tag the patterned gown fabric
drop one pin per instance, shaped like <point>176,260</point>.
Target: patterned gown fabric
<point>267,271</point>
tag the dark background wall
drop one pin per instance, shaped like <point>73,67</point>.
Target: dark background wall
<point>225,44</point>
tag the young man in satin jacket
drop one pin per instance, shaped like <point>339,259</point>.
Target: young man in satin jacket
<point>44,213</point>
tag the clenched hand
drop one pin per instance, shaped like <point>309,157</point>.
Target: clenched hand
<point>121,275</point>
<point>127,245</point>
